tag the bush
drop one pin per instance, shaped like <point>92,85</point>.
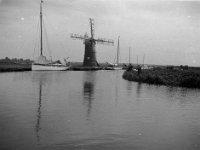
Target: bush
<point>182,78</point>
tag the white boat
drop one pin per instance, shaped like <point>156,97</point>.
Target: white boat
<point>42,63</point>
<point>117,67</point>
<point>39,67</point>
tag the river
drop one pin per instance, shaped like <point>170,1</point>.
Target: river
<point>95,111</point>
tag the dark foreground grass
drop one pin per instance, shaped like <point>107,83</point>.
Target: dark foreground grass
<point>182,78</point>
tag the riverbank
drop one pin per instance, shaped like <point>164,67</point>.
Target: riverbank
<point>15,64</point>
<point>12,67</point>
<point>169,77</point>
<point>75,66</point>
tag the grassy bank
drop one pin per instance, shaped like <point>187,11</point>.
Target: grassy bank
<point>11,67</point>
<point>182,78</point>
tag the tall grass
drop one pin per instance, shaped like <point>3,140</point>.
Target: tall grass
<point>183,78</point>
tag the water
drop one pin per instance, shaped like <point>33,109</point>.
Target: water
<point>95,110</point>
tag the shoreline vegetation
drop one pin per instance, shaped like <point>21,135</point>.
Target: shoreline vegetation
<point>19,64</point>
<point>182,76</point>
<point>11,65</point>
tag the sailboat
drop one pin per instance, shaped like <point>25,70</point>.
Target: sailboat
<point>42,63</point>
<point>116,66</point>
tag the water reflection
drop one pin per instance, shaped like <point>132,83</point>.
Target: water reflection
<point>134,87</point>
<point>129,87</point>
<point>59,102</point>
<point>88,90</point>
<point>116,85</point>
<point>41,79</point>
<point>116,94</point>
<point>171,91</point>
<point>39,113</point>
<point>183,92</point>
<point>180,95</point>
<point>138,90</point>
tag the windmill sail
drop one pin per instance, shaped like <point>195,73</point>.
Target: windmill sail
<point>90,42</point>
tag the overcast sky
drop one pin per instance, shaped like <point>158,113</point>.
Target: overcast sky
<point>166,32</point>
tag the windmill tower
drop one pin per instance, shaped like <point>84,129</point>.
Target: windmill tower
<point>90,42</point>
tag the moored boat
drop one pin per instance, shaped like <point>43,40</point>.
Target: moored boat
<point>42,63</point>
<point>117,66</point>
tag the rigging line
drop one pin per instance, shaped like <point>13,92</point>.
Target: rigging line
<point>115,59</point>
<point>120,58</point>
<point>35,41</point>
<point>47,41</point>
<point>46,18</point>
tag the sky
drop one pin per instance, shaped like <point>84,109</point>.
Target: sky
<point>164,32</point>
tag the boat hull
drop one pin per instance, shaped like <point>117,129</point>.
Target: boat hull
<point>117,68</point>
<point>39,67</point>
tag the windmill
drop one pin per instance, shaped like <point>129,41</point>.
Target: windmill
<point>90,42</point>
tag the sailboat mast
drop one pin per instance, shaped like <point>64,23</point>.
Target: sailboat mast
<point>129,55</point>
<point>118,51</point>
<point>41,40</point>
